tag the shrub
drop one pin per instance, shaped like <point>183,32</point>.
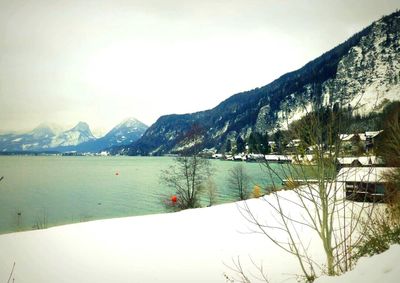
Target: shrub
<point>378,238</point>
<point>256,193</point>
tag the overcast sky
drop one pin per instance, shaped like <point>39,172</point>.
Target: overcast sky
<point>103,61</point>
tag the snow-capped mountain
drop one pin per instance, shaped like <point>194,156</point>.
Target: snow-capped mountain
<point>77,135</point>
<point>38,138</point>
<point>47,137</point>
<point>126,132</point>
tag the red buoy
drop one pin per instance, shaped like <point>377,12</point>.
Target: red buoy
<point>174,199</point>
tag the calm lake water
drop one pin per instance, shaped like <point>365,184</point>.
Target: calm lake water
<point>40,191</point>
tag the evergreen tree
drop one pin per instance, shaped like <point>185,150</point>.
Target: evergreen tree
<point>278,138</point>
<point>267,148</point>
<point>252,143</point>
<point>228,147</point>
<point>240,145</point>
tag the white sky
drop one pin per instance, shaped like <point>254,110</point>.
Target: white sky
<point>103,61</point>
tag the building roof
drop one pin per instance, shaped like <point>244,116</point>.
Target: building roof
<point>274,157</point>
<point>372,134</point>
<point>362,136</point>
<point>363,160</point>
<point>363,174</point>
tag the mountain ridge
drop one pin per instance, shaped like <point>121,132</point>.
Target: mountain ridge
<point>46,138</point>
<point>365,65</point>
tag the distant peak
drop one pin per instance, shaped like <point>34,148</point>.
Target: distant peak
<point>43,126</point>
<point>130,122</point>
<point>81,126</point>
<point>129,119</point>
<point>46,128</point>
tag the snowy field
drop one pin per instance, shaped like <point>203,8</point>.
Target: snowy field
<point>189,246</point>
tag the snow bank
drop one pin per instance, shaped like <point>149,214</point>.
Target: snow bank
<point>188,246</point>
<point>383,268</point>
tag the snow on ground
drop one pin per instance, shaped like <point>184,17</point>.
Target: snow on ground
<point>188,246</point>
<point>382,268</point>
<point>373,97</point>
<point>286,118</point>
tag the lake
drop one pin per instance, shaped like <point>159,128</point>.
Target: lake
<point>44,191</point>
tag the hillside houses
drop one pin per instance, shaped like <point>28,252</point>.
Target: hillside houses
<point>360,141</point>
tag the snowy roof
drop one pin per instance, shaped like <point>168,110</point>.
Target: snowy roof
<point>306,157</point>
<point>346,137</point>
<point>364,160</point>
<point>363,174</point>
<point>363,136</point>
<point>373,134</point>
<point>273,157</point>
<point>294,143</point>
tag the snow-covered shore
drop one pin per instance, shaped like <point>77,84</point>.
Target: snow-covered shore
<point>188,246</point>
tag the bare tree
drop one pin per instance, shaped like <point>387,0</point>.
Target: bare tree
<point>239,180</point>
<point>189,173</point>
<point>187,176</point>
<point>211,191</point>
<point>319,201</point>
<point>240,274</point>
<point>389,144</point>
<point>11,277</point>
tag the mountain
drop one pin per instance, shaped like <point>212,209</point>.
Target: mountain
<point>363,73</point>
<point>77,135</point>
<point>127,132</point>
<point>40,137</point>
<point>79,138</point>
<point>45,137</point>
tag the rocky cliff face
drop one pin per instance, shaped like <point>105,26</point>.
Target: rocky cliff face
<point>363,72</point>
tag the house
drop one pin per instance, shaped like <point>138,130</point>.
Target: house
<point>293,146</point>
<point>317,148</point>
<point>217,156</point>
<point>361,161</point>
<point>278,158</point>
<point>371,138</point>
<point>294,143</point>
<point>303,159</point>
<point>272,145</point>
<point>239,157</point>
<point>254,157</point>
<point>366,140</point>
<point>365,184</point>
